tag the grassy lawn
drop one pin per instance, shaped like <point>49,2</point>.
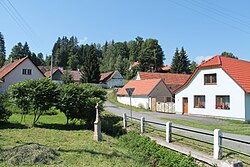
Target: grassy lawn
<point>74,144</point>
<point>229,126</point>
<point>113,99</point>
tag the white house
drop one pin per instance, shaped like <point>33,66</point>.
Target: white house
<point>144,94</point>
<point>112,79</point>
<point>18,71</point>
<point>219,87</point>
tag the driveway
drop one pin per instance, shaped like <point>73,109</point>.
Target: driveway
<point>154,116</point>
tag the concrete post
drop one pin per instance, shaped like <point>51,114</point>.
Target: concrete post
<point>217,144</point>
<point>125,120</point>
<point>97,125</point>
<point>168,132</point>
<point>142,125</point>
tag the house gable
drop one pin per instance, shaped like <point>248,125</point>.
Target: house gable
<point>22,71</point>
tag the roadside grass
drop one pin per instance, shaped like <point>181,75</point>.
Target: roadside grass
<point>74,144</point>
<point>113,99</point>
<point>229,126</point>
<point>188,143</point>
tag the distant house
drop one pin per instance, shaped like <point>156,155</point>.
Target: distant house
<point>18,71</point>
<point>144,94</point>
<point>173,81</point>
<point>48,68</point>
<point>133,64</point>
<point>112,79</point>
<point>166,69</point>
<point>56,75</point>
<point>76,75</point>
<point>218,87</point>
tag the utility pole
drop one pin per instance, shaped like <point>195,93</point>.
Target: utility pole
<point>51,67</point>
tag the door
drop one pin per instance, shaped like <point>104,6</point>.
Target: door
<point>153,104</point>
<point>185,105</point>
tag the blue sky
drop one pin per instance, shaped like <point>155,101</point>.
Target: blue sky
<point>203,27</point>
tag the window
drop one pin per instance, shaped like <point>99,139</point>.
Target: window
<point>199,101</point>
<point>210,79</point>
<point>223,102</point>
<point>27,71</point>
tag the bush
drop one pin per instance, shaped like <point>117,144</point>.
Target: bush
<point>112,124</point>
<point>156,155</point>
<point>4,112</point>
<point>78,101</point>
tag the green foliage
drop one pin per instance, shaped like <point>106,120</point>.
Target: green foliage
<point>77,102</point>
<point>151,56</point>
<point>4,112</point>
<point>180,62</point>
<point>67,78</point>
<point>146,150</point>
<point>193,66</point>
<point>90,63</point>
<point>2,50</point>
<point>37,95</point>
<point>229,54</point>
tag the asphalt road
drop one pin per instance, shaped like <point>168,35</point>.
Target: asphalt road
<point>154,116</point>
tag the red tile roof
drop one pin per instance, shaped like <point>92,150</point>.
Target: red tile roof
<point>166,68</point>
<point>142,87</point>
<point>11,66</point>
<point>47,74</point>
<point>76,75</point>
<point>106,76</point>
<point>133,64</point>
<point>173,81</point>
<point>238,70</point>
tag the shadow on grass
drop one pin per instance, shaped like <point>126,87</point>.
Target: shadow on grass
<point>8,125</point>
<point>113,154</point>
<point>62,126</point>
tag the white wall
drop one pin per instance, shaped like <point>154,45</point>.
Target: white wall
<point>247,107</point>
<point>225,86</point>
<point>136,101</point>
<point>117,80</point>
<point>16,75</point>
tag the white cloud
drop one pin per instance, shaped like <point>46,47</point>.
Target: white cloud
<point>84,40</point>
<point>199,59</point>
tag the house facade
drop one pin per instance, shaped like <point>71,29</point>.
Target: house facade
<point>219,87</point>
<point>112,79</point>
<point>56,75</point>
<point>145,93</point>
<point>18,71</point>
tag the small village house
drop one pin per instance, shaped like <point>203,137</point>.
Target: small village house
<point>18,71</point>
<point>56,75</point>
<point>111,79</point>
<point>144,94</point>
<point>173,81</point>
<point>218,87</point>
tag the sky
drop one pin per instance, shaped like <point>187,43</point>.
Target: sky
<point>204,28</point>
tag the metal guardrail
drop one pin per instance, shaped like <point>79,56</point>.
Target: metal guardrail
<point>198,132</point>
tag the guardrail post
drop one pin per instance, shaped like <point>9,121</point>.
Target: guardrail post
<point>168,132</point>
<point>124,120</point>
<point>217,144</point>
<point>142,124</point>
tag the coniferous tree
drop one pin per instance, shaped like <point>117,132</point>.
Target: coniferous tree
<point>180,62</point>
<point>229,54</point>
<point>151,56</point>
<point>17,51</point>
<point>90,67</point>
<point>193,66</point>
<point>2,50</point>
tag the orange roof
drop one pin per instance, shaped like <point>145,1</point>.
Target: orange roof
<point>238,70</point>
<point>133,64</point>
<point>166,68</point>
<point>142,87</point>
<point>107,76</point>
<point>47,74</point>
<point>11,66</point>
<point>168,78</point>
